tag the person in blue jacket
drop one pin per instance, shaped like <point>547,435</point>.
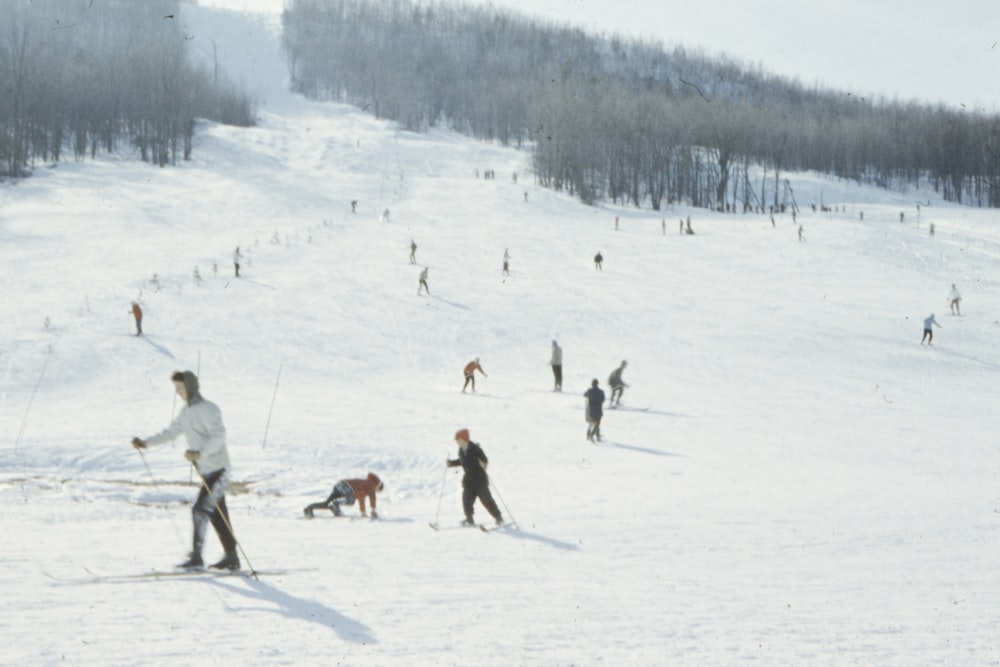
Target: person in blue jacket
<point>475,482</point>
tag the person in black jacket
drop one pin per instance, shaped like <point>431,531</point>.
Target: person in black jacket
<point>475,482</point>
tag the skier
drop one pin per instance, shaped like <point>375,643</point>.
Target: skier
<point>423,283</point>
<point>237,256</point>
<point>506,261</point>
<point>616,384</point>
<point>413,251</point>
<point>928,333</point>
<point>345,491</point>
<point>954,297</point>
<point>475,481</point>
<point>598,261</point>
<point>556,364</point>
<point>201,423</point>
<point>137,314</point>
<point>594,411</point>
<point>470,374</point>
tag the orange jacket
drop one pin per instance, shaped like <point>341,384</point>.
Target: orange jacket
<point>472,367</point>
<point>365,488</point>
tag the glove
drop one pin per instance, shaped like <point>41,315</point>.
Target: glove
<point>192,456</point>
<point>138,443</point>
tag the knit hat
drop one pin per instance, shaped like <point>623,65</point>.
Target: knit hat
<point>462,434</point>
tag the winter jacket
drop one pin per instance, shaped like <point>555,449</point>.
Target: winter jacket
<point>365,488</point>
<point>201,423</point>
<point>929,321</point>
<point>556,355</point>
<point>472,367</point>
<point>954,295</point>
<point>472,459</point>
<point>595,403</point>
<point>615,379</point>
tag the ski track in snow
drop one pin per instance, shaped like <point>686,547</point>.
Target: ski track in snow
<point>808,486</point>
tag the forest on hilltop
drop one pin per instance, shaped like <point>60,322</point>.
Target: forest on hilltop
<point>626,120</point>
<point>88,76</point>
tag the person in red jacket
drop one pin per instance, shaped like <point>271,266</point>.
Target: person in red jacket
<point>470,370</point>
<point>137,314</point>
<point>345,492</point>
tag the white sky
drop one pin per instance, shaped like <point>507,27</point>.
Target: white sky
<point>929,50</point>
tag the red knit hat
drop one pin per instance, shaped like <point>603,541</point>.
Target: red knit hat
<point>462,434</point>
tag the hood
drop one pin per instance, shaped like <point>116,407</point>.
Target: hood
<point>191,386</point>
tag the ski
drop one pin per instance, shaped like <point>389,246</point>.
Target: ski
<point>154,575</point>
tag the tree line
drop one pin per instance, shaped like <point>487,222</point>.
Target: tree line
<point>89,77</point>
<point>627,120</point>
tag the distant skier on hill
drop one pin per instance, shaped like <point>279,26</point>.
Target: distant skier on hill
<point>201,423</point>
<point>423,283</point>
<point>137,314</point>
<point>594,410</point>
<point>475,481</point>
<point>237,256</point>
<point>556,363</point>
<point>599,261</point>
<point>955,298</point>
<point>928,333</point>
<point>470,374</point>
<point>413,251</point>
<point>616,384</point>
<point>345,492</point>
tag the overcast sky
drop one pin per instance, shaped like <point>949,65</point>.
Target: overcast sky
<point>944,51</point>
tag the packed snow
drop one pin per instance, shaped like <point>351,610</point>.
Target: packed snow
<point>792,477</point>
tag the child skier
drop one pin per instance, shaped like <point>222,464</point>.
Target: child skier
<point>475,482</point>
<point>345,492</point>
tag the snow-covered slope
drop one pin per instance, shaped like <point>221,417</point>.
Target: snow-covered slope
<point>799,480</point>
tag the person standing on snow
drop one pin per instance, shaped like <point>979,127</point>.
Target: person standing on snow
<point>347,490</point>
<point>201,423</point>
<point>413,252</point>
<point>616,384</point>
<point>928,333</point>
<point>595,410</point>
<point>954,297</point>
<point>475,481</point>
<point>470,374</point>
<point>137,314</point>
<point>237,256</point>
<point>423,283</point>
<point>556,364</point>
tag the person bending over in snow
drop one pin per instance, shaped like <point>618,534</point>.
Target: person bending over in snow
<point>470,374</point>
<point>344,493</point>
<point>475,482</point>
<point>201,423</point>
<point>616,384</point>
<point>928,333</point>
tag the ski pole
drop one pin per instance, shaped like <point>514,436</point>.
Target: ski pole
<point>274,396</point>
<point>505,508</point>
<point>441,494</point>
<point>225,518</point>
<point>156,486</point>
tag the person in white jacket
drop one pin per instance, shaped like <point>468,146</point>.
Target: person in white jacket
<point>955,297</point>
<point>201,423</point>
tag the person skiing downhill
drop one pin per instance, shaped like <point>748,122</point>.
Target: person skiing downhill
<point>201,423</point>
<point>137,314</point>
<point>470,374</point>
<point>616,384</point>
<point>595,410</point>
<point>345,492</point>
<point>556,363</point>
<point>423,283</point>
<point>954,299</point>
<point>928,333</point>
<point>475,481</point>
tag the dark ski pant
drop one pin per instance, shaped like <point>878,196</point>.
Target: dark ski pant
<point>557,373</point>
<point>469,379</point>
<point>210,507</point>
<point>616,393</point>
<point>928,336</point>
<point>481,490</point>
<point>343,491</point>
